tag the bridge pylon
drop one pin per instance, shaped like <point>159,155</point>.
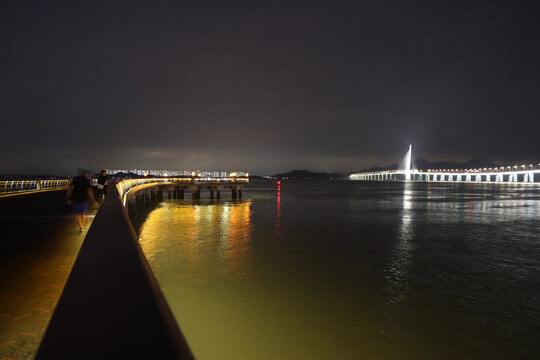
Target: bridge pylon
<point>408,163</point>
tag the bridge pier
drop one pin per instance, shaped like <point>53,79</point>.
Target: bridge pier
<point>195,192</point>
<point>159,193</point>
<point>236,192</point>
<point>171,192</point>
<point>180,192</point>
<point>153,195</point>
<point>218,191</point>
<point>138,199</point>
<point>147,196</point>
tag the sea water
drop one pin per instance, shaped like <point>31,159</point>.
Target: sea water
<point>353,270</point>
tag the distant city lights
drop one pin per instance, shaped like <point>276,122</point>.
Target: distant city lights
<point>180,173</point>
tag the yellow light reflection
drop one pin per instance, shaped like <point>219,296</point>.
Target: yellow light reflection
<point>211,240</point>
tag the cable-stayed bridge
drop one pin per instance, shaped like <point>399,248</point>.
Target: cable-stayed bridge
<point>505,174</point>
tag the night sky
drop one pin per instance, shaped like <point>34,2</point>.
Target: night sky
<point>266,86</point>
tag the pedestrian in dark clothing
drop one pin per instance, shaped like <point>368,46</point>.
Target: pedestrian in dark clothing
<point>80,194</point>
<point>101,186</point>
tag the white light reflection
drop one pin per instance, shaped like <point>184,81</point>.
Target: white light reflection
<point>399,266</point>
<point>224,226</point>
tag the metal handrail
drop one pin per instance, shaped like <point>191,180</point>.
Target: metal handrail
<point>18,186</point>
<point>21,186</point>
<point>123,186</point>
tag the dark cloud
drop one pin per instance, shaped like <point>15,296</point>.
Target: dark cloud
<point>266,87</point>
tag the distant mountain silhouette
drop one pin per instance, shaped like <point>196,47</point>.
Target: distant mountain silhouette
<point>123,175</point>
<point>306,174</point>
<point>423,164</point>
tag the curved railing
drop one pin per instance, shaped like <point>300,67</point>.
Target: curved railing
<point>17,186</point>
<point>112,306</point>
<point>22,186</point>
<point>111,297</point>
<point>124,186</point>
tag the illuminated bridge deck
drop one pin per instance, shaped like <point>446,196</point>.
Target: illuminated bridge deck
<point>504,174</point>
<point>527,175</point>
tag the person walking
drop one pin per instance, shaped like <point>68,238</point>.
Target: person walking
<point>101,186</point>
<point>79,194</point>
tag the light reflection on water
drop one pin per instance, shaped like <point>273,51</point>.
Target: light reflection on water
<point>349,270</point>
<point>278,212</point>
<point>213,237</point>
<point>400,262</point>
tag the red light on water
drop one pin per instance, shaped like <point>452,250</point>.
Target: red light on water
<point>279,182</point>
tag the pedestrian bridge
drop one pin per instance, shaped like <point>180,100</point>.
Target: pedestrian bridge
<point>112,307</point>
<point>505,174</point>
<point>153,188</point>
<point>215,184</point>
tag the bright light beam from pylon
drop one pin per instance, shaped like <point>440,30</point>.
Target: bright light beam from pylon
<point>407,163</point>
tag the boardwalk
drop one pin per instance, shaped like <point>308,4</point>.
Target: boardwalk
<point>39,245</point>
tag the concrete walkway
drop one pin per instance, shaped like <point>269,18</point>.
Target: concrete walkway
<point>39,244</point>
<point>112,306</point>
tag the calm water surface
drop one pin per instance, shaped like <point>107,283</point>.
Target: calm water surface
<point>348,270</point>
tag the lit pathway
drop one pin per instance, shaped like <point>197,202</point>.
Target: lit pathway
<point>38,252</point>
